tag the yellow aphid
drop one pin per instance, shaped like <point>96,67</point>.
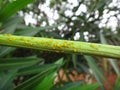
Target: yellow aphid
<point>11,38</point>
<point>57,45</point>
<point>93,46</point>
<point>14,38</point>
<point>64,45</point>
<point>75,50</point>
<point>26,41</point>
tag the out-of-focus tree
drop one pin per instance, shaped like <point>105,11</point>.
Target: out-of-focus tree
<point>80,19</point>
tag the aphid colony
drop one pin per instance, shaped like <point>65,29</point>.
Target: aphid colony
<point>44,43</point>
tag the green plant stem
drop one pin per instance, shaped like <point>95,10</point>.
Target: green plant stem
<point>57,45</point>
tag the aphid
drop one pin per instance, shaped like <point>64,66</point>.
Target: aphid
<point>75,50</point>
<point>64,45</point>
<point>26,41</point>
<point>12,38</point>
<point>93,46</point>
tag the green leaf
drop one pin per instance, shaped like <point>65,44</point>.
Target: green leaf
<point>9,27</point>
<point>30,31</point>
<point>117,84</point>
<point>87,87</point>
<point>112,61</point>
<point>35,69</point>
<point>9,63</point>
<point>52,3</point>
<point>59,61</point>
<point>69,86</point>
<point>74,60</point>
<point>35,80</point>
<point>6,79</point>
<point>85,68</point>
<point>47,81</point>
<point>1,2</point>
<point>5,50</point>
<point>12,8</point>
<point>114,65</point>
<point>102,38</point>
<point>96,70</point>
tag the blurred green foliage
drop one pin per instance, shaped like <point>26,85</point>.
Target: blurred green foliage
<point>38,68</point>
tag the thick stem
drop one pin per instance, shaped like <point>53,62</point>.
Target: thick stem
<point>57,45</point>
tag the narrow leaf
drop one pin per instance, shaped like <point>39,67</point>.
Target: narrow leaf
<point>87,87</point>
<point>69,86</point>
<point>6,50</point>
<point>6,79</point>
<point>35,80</point>
<point>96,70</point>
<point>47,81</point>
<point>117,84</point>
<point>18,62</point>
<point>30,31</point>
<point>12,8</point>
<point>57,45</point>
<point>35,69</point>
<point>112,61</point>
